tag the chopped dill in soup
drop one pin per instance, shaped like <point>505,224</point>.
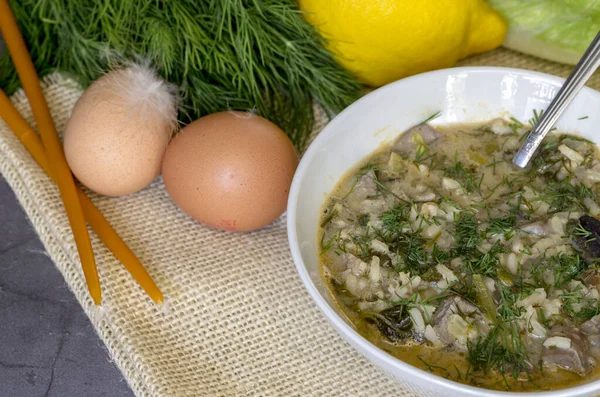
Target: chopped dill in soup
<point>444,254</point>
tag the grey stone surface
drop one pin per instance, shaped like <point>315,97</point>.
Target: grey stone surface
<point>47,344</point>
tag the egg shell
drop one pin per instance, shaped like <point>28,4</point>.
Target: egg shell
<point>112,148</point>
<point>230,170</point>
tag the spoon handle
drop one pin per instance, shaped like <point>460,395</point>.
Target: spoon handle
<point>581,73</point>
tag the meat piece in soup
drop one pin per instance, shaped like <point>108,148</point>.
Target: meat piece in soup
<point>444,254</point>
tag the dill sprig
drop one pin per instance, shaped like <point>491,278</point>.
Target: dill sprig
<point>363,220</point>
<point>502,226</point>
<point>438,255</point>
<point>362,242</point>
<point>326,245</point>
<point>564,195</point>
<point>408,244</point>
<point>259,55</point>
<point>396,219</point>
<point>484,263</point>
<point>536,117</point>
<point>417,259</point>
<point>432,117</point>
<point>329,214</point>
<point>584,314</point>
<point>547,156</point>
<point>420,153</point>
<point>585,234</point>
<point>467,232</point>
<point>463,176</point>
<point>394,323</point>
<point>508,311</point>
<point>432,368</point>
<point>381,187</point>
<point>502,350</point>
<point>370,167</point>
<point>563,268</point>
<point>588,307</point>
<point>515,125</point>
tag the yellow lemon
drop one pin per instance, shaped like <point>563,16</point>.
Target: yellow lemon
<point>384,40</point>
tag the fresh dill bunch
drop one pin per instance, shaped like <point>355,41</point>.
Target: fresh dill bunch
<point>248,55</point>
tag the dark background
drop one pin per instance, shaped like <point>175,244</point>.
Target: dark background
<point>47,344</point>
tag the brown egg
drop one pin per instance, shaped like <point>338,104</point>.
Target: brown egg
<point>230,170</point>
<point>119,130</point>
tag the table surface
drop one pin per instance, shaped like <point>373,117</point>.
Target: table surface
<point>47,344</point>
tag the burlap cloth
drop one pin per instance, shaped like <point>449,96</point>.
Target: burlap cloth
<point>237,320</point>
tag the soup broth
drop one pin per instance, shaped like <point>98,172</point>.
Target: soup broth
<point>444,254</point>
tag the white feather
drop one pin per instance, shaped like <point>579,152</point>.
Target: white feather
<point>139,89</point>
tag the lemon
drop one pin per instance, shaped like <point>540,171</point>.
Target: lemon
<point>384,40</point>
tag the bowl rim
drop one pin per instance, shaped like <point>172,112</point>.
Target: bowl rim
<point>335,320</point>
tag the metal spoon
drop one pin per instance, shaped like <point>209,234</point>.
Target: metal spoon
<point>582,72</point>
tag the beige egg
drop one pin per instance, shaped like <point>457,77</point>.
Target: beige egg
<point>230,170</point>
<point>119,130</point>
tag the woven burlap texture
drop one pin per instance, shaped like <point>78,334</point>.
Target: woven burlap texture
<point>237,320</point>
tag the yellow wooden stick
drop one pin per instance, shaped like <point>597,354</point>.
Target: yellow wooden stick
<point>96,220</point>
<point>53,148</point>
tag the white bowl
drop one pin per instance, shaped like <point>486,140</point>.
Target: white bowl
<point>462,95</point>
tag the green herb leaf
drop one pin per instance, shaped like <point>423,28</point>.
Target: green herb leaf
<point>483,263</point>
<point>565,267</point>
<point>223,55</point>
<point>465,177</point>
<point>432,117</point>
<point>504,225</point>
<point>467,233</point>
<point>502,350</point>
<point>396,219</point>
<point>564,195</point>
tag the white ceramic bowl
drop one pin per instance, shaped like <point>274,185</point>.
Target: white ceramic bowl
<point>462,95</point>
